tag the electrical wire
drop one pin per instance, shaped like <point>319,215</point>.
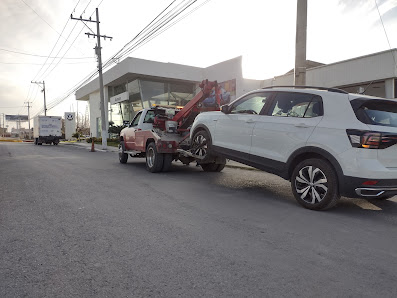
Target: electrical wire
<point>22,63</point>
<point>42,56</point>
<point>56,102</point>
<point>136,36</point>
<point>46,75</point>
<point>90,76</point>
<point>53,48</point>
<point>384,29</point>
<point>143,40</point>
<point>168,17</point>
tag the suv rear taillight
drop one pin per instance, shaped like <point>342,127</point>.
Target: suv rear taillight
<point>371,139</point>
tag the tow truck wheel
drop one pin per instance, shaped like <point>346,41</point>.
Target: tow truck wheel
<point>154,160</point>
<point>168,158</point>
<point>123,157</point>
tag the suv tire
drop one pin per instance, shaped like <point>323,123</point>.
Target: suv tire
<point>315,185</point>
<point>201,145</point>
<point>213,167</point>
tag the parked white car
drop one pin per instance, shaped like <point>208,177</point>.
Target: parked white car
<point>326,141</point>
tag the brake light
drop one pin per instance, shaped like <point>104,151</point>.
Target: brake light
<point>370,182</point>
<point>371,139</point>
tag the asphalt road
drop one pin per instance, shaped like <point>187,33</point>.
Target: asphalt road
<point>75,223</point>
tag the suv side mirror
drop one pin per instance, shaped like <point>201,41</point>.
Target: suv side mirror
<point>225,109</point>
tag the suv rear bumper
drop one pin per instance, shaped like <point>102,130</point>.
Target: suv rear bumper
<point>375,192</point>
<point>355,187</point>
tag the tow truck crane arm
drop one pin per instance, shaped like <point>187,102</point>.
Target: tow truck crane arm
<point>185,117</point>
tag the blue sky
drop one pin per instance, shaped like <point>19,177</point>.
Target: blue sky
<point>263,32</point>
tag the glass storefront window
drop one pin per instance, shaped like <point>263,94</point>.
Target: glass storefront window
<point>143,94</point>
<point>180,94</point>
<point>164,93</point>
<point>154,93</point>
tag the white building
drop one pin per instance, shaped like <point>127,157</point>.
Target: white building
<point>134,84</point>
<point>375,73</point>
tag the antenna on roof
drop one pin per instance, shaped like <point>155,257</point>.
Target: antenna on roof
<point>365,89</point>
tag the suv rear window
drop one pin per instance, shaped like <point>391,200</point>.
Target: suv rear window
<point>375,111</point>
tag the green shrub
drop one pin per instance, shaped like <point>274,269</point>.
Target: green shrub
<point>99,140</point>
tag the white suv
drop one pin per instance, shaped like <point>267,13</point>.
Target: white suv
<point>326,141</point>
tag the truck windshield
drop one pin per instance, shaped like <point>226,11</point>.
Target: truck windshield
<point>375,111</point>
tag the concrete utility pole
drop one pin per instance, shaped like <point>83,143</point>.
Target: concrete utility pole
<point>43,90</point>
<point>4,124</point>
<point>103,104</point>
<point>300,46</point>
<point>29,106</point>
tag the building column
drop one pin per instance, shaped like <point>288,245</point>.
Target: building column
<point>389,88</point>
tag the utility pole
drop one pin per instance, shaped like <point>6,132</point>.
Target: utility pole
<point>103,104</point>
<point>300,46</point>
<point>43,90</point>
<point>29,106</point>
<point>4,125</point>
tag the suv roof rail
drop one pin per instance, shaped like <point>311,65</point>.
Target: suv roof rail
<point>310,87</point>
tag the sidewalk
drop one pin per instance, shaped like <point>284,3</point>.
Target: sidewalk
<point>230,163</point>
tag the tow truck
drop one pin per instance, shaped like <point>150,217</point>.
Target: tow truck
<point>161,134</point>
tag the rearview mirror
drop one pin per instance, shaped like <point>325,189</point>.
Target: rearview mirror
<point>225,109</point>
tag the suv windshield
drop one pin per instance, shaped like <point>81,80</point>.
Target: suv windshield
<point>375,111</point>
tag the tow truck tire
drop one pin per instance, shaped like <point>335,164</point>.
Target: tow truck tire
<point>154,160</point>
<point>168,158</point>
<point>123,157</point>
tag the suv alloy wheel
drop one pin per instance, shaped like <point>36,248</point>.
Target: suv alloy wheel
<point>315,185</point>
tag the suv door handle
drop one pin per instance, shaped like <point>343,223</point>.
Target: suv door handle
<point>249,121</point>
<point>302,125</point>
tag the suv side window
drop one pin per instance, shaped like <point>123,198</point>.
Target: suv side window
<point>301,105</point>
<point>136,119</point>
<point>375,111</point>
<point>251,104</point>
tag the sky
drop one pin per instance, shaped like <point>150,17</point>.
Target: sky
<point>261,31</point>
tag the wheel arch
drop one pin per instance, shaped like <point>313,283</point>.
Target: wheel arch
<point>201,127</point>
<point>148,141</point>
<point>313,152</point>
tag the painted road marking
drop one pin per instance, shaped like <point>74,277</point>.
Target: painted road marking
<point>364,204</point>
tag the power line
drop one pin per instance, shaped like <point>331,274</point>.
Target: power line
<point>11,107</point>
<point>143,40</point>
<point>154,33</point>
<point>22,63</point>
<point>42,56</point>
<point>40,17</point>
<point>55,44</point>
<point>109,61</point>
<point>384,29</point>
<point>172,24</point>
<point>46,75</point>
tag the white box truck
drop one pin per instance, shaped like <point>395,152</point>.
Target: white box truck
<point>47,129</point>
